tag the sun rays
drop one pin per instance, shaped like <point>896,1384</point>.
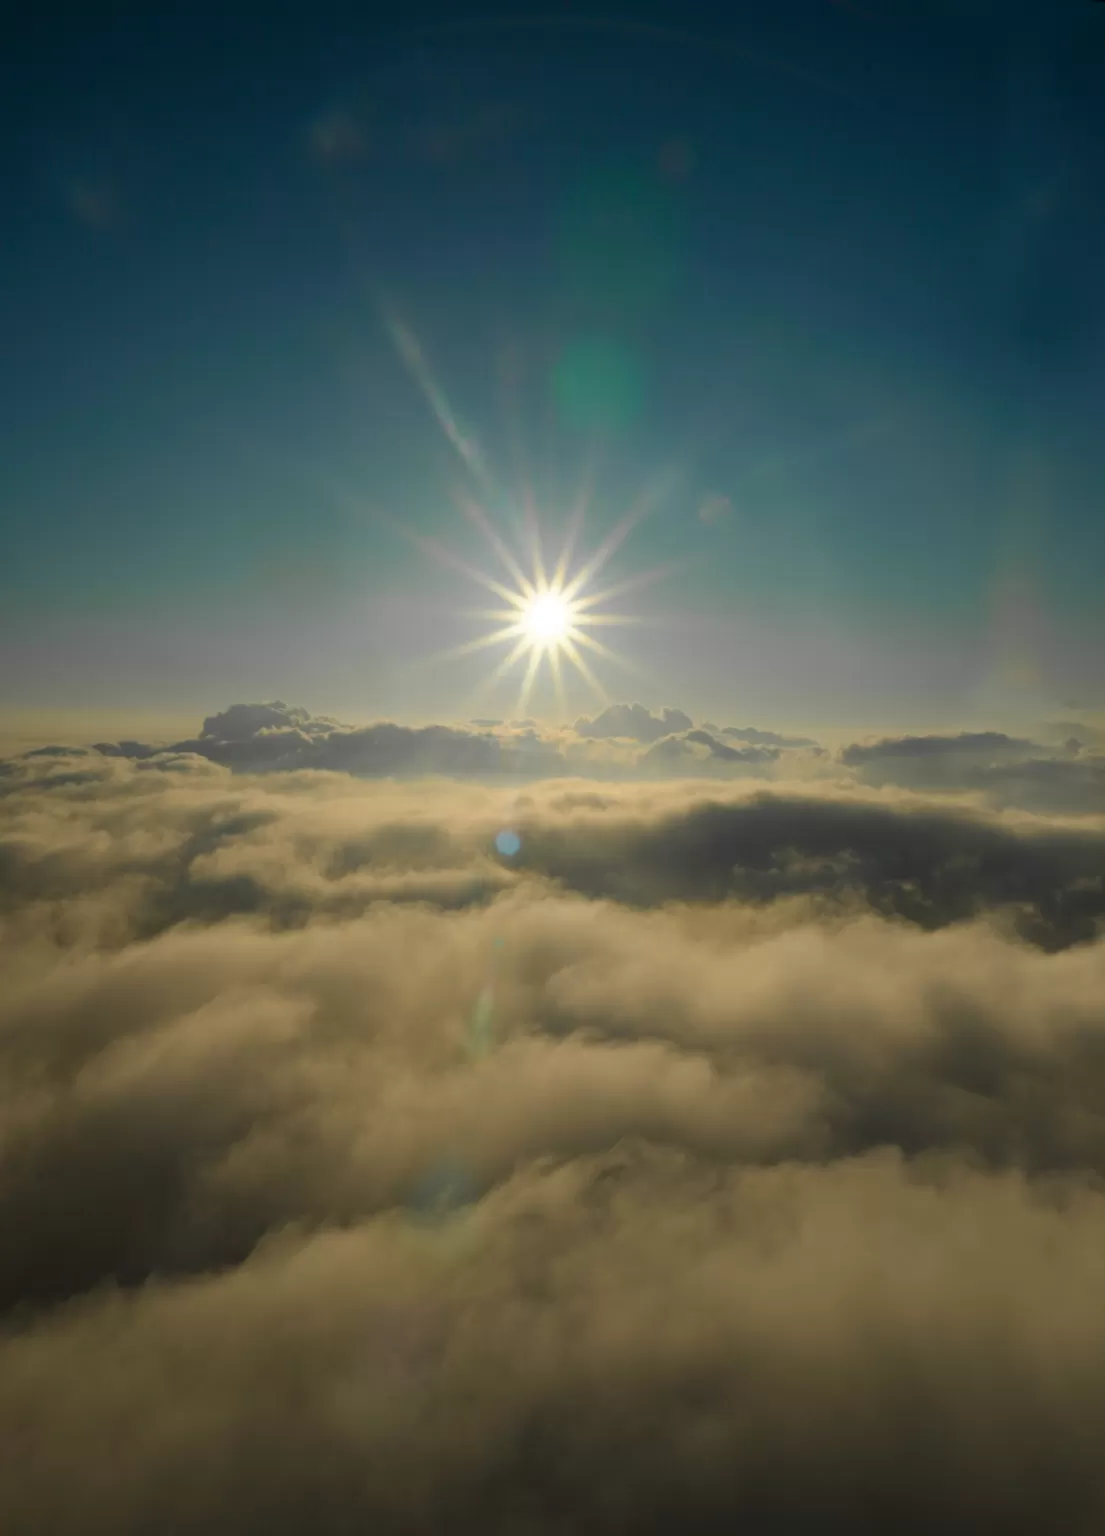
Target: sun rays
<point>547,613</point>
<point>546,617</point>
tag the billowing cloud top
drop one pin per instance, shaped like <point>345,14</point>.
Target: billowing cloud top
<point>763,738</point>
<point>243,721</point>
<point>581,1157</point>
<point>274,736</point>
<point>975,746</point>
<point>1007,769</point>
<point>634,722</point>
<point>628,741</point>
<point>277,737</point>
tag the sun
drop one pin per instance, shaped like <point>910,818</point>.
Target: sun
<point>550,611</point>
<point>547,619</point>
<point>549,614</point>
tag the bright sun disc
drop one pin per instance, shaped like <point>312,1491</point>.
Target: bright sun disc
<point>549,615</point>
<point>547,618</point>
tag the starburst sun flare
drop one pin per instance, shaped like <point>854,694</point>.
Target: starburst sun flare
<point>548,617</point>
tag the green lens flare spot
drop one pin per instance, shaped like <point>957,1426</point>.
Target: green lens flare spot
<point>597,385</point>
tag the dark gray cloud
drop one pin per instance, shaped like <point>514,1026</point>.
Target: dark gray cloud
<point>626,741</point>
<point>697,751</point>
<point>988,767</point>
<point>62,752</point>
<point>750,734</point>
<point>634,722</point>
<point>241,722</point>
<point>969,746</point>
<point>920,863</point>
<point>354,1174</point>
<point>274,737</point>
<point>1007,770</point>
<point>728,754</point>
<point>1048,785</point>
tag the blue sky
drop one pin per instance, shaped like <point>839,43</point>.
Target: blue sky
<point>831,272</point>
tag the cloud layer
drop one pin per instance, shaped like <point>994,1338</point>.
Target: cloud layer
<point>721,1155</point>
<point>1063,776</point>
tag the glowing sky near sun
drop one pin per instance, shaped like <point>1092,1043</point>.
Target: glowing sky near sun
<point>825,288</point>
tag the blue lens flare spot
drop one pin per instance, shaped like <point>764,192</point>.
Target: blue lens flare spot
<point>443,1190</point>
<point>508,843</point>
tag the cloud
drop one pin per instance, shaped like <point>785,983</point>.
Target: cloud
<point>354,1173</point>
<point>276,737</point>
<point>696,751</point>
<point>749,733</point>
<point>1047,784</point>
<point>921,863</point>
<point>634,722</point>
<point>1074,735</point>
<point>969,746</point>
<point>243,721</point>
<point>1007,770</point>
<point>624,742</point>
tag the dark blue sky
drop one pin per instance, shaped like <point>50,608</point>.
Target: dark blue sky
<point>824,277</point>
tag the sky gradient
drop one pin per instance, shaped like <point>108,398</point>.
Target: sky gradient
<point>822,284</point>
